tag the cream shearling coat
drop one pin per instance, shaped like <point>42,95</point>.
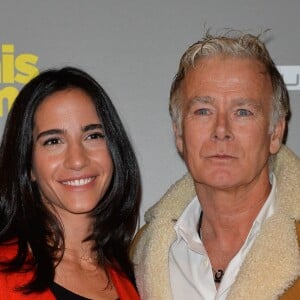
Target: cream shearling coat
<point>271,266</point>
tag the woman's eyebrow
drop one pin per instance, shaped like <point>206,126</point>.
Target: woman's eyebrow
<point>92,127</point>
<point>55,131</point>
<point>49,132</point>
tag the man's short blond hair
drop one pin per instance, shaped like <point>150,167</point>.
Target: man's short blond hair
<point>232,44</point>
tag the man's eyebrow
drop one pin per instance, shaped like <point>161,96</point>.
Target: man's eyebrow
<point>238,101</point>
<point>92,127</point>
<point>201,99</point>
<point>248,102</point>
<point>49,132</point>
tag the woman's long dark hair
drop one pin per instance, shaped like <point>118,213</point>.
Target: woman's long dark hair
<point>25,220</point>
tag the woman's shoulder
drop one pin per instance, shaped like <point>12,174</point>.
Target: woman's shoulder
<point>8,250</point>
<point>9,281</point>
<point>123,285</point>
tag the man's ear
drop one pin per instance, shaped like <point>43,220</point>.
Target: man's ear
<point>178,138</point>
<point>277,136</point>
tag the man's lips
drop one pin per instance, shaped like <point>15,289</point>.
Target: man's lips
<point>221,157</point>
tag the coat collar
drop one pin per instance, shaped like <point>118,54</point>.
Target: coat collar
<point>275,250</point>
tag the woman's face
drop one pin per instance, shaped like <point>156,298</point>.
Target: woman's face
<point>71,163</point>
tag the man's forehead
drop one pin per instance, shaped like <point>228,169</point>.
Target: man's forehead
<point>228,72</point>
<point>211,62</point>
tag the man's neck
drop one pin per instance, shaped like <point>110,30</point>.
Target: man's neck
<point>228,216</point>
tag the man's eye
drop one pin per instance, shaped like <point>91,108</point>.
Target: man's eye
<point>52,141</point>
<point>244,112</point>
<point>203,112</point>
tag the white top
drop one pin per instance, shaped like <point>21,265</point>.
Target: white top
<point>191,273</point>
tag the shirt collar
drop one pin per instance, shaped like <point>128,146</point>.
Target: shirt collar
<point>187,224</point>
<point>268,208</point>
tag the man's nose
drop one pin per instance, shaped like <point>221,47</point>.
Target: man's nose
<point>222,128</point>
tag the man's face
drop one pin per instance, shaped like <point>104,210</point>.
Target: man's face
<point>225,140</point>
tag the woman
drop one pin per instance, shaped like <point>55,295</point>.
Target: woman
<point>69,188</point>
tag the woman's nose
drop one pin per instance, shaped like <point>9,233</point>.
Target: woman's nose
<point>76,157</point>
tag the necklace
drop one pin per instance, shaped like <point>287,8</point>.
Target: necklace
<point>86,260</point>
<point>218,274</point>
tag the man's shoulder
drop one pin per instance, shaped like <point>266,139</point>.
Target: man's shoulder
<point>172,203</point>
<point>163,213</point>
<point>287,160</point>
<point>287,171</point>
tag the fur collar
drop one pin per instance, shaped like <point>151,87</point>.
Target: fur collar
<point>275,250</point>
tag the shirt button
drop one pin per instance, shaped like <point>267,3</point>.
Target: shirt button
<point>206,262</point>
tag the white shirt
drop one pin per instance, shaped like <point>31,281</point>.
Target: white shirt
<point>191,273</point>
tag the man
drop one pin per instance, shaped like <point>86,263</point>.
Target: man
<point>228,229</point>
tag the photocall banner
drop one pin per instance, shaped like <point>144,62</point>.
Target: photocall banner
<point>18,67</point>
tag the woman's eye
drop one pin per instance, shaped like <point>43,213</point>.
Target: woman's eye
<point>52,141</point>
<point>96,135</point>
<point>244,112</point>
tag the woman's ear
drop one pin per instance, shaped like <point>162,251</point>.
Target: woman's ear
<point>32,175</point>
